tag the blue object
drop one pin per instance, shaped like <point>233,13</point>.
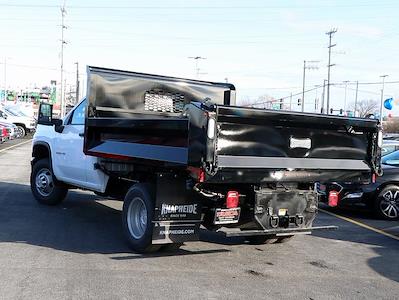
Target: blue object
<point>388,103</point>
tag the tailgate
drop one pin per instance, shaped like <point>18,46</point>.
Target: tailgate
<point>250,138</point>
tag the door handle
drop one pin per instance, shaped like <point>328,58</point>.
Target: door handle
<point>82,134</point>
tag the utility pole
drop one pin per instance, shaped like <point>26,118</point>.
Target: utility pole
<point>63,42</point>
<point>77,83</point>
<point>197,69</point>
<point>357,90</point>
<point>5,79</point>
<point>322,98</point>
<point>303,79</point>
<point>330,34</point>
<point>291,101</point>
<point>382,96</point>
<point>346,86</point>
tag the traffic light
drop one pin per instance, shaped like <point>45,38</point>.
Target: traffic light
<point>341,111</point>
<point>331,111</point>
<point>299,102</point>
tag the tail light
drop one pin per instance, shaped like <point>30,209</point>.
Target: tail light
<point>333,198</point>
<point>373,178</point>
<point>232,199</point>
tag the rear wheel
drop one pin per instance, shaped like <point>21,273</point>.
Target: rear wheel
<point>387,203</point>
<point>43,184</point>
<point>137,216</point>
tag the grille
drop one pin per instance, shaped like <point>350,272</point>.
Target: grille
<point>161,101</point>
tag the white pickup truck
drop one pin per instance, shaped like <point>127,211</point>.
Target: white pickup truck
<point>180,155</point>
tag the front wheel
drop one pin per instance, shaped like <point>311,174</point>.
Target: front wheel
<point>387,203</point>
<point>21,131</point>
<point>43,184</point>
<point>137,216</point>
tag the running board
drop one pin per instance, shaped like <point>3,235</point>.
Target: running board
<point>277,231</point>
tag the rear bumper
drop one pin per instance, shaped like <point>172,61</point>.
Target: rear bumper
<point>276,232</point>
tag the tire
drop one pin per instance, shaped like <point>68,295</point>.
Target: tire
<point>44,185</point>
<point>261,239</point>
<point>137,216</point>
<point>21,131</point>
<point>386,204</point>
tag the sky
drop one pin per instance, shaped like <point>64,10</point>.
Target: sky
<point>259,46</point>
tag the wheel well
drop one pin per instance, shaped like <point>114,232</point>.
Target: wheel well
<point>385,184</point>
<point>40,151</point>
<point>20,124</point>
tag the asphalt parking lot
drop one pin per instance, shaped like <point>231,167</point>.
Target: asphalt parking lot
<point>77,251</point>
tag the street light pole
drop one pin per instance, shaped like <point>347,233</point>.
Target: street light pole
<point>77,83</point>
<point>382,96</point>
<point>303,86</point>
<point>357,90</point>
<point>5,78</point>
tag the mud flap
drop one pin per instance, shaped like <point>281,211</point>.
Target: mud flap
<point>177,214</point>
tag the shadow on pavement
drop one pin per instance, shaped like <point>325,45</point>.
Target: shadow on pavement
<point>387,248</point>
<point>79,224</point>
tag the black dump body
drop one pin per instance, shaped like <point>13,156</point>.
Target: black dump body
<point>188,139</point>
<point>186,124</point>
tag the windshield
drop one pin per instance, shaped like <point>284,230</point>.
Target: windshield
<point>15,112</point>
<point>391,159</point>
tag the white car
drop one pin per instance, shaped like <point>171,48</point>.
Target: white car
<point>24,124</point>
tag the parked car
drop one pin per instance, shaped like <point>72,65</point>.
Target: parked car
<point>11,127</point>
<point>381,197</point>
<point>24,124</point>
<point>5,134</point>
<point>389,146</point>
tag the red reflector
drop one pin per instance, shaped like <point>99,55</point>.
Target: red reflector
<point>333,198</point>
<point>232,199</point>
<point>373,178</point>
<point>201,176</point>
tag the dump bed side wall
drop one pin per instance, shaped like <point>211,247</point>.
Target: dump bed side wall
<point>139,116</point>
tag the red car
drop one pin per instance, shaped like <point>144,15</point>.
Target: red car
<point>4,134</point>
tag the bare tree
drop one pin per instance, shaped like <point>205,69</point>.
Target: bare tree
<point>365,107</point>
<point>391,126</point>
<point>263,101</point>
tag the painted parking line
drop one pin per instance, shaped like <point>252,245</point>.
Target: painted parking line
<point>16,145</point>
<point>376,230</point>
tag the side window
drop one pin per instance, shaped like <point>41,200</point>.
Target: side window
<point>78,117</point>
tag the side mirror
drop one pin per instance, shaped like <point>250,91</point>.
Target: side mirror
<point>45,115</point>
<point>58,126</point>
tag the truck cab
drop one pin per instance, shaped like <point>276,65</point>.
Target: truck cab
<point>63,143</point>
